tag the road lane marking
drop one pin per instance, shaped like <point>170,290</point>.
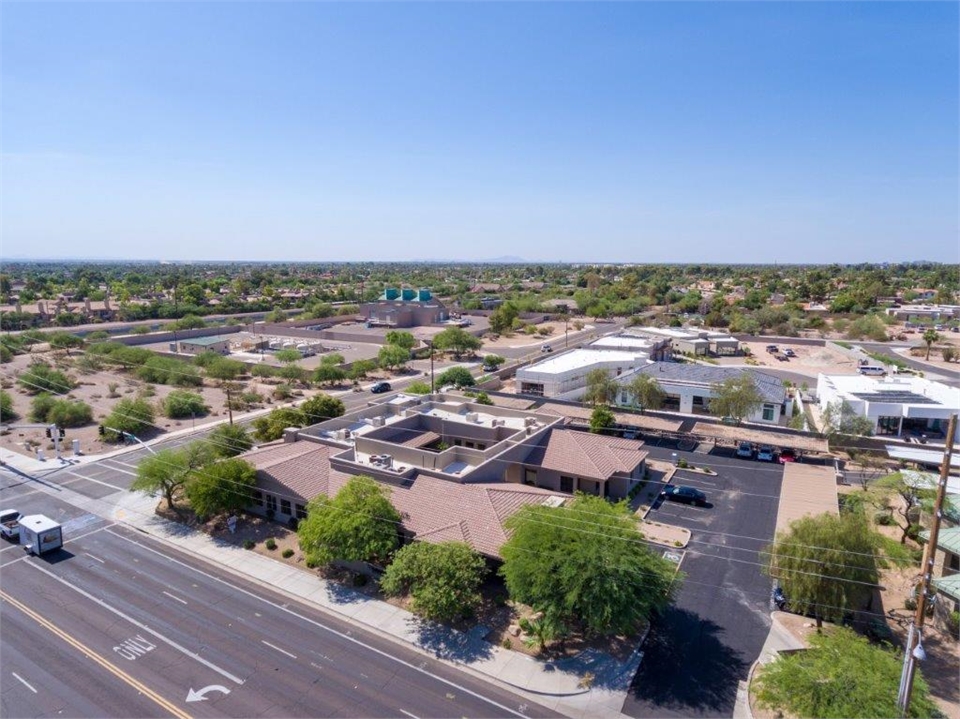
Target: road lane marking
<point>24,682</point>
<point>91,479</point>
<point>412,716</point>
<point>141,625</point>
<point>331,630</point>
<point>109,666</point>
<point>95,558</point>
<point>174,598</point>
<point>282,651</point>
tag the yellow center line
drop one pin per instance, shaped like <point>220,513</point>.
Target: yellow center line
<point>109,666</point>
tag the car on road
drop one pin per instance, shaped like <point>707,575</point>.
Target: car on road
<point>10,523</point>
<point>546,348</point>
<point>765,453</point>
<point>380,387</point>
<point>688,495</point>
<point>745,449</point>
<point>787,455</point>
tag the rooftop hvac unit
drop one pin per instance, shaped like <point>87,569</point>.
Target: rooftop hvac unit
<point>530,422</point>
<point>386,461</point>
<point>472,417</point>
<point>379,421</point>
<point>497,423</point>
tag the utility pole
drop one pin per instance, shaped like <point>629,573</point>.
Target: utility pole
<point>914,651</point>
<point>229,403</point>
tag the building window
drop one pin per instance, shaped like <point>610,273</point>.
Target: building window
<point>566,484</point>
<point>530,476</point>
<point>256,498</point>
<point>271,503</point>
<point>480,445</point>
<point>285,507</point>
<point>768,410</point>
<point>535,389</point>
<point>301,511</point>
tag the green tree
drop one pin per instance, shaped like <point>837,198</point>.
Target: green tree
<point>553,564</point>
<point>41,377</point>
<point>329,374</point>
<point>483,398</point>
<point>6,406</point>
<point>492,362</point>
<point>167,471</point>
<point>189,322</point>
<point>601,419</point>
<point>501,319</point>
<point>40,407</point>
<point>840,675</point>
<point>443,579</point>
<point>132,416</point>
<point>401,339</point>
<point>223,368</point>
<point>417,388</point>
<point>929,338</point>
<point>456,340</point>
<point>223,486</point>
<point>167,370</point>
<point>601,387</point>
<point>288,356</point>
<point>949,353</point>
<point>912,496</point>
<point>321,408</point>
<point>358,524</point>
<point>735,397</point>
<point>180,403</point>
<point>229,440</point>
<point>458,376</point>
<point>827,564</point>
<point>333,358</point>
<point>393,357</point>
<point>361,368</point>
<point>270,427</point>
<point>645,392</point>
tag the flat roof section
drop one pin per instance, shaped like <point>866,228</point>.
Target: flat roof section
<point>580,358</point>
<point>758,436</point>
<point>807,490</point>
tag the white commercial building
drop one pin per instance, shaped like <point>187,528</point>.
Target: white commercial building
<point>565,376</point>
<point>896,406</point>
<point>688,388</point>
<point>657,348</point>
<point>691,341</point>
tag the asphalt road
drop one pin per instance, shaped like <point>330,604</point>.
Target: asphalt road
<point>704,644</point>
<point>116,624</point>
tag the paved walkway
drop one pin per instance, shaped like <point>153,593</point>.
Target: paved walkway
<point>561,685</point>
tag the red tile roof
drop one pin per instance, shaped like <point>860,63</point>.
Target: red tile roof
<point>591,456</point>
<point>433,509</point>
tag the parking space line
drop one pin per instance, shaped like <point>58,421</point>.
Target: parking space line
<point>97,481</point>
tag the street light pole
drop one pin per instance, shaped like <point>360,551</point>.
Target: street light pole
<point>432,389</point>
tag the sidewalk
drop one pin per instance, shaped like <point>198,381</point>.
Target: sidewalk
<point>559,685</point>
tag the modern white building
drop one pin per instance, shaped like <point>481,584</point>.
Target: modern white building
<point>565,376</point>
<point>688,388</point>
<point>932,312</point>
<point>897,406</point>
<point>657,348</point>
<point>691,341</point>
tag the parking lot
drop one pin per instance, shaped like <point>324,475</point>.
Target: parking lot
<point>704,644</point>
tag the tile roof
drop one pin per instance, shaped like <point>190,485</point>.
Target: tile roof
<point>591,456</point>
<point>433,509</point>
<point>770,387</point>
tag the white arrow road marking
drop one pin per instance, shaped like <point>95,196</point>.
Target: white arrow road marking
<point>24,682</point>
<point>201,696</point>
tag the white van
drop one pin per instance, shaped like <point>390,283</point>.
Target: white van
<point>872,370</point>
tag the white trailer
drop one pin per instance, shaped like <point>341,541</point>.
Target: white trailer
<point>39,534</point>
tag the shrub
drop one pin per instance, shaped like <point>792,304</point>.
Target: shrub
<point>910,603</point>
<point>41,406</point>
<point>41,377</point>
<point>287,553</point>
<point>67,413</point>
<point>270,544</point>
<point>166,370</point>
<point>6,406</point>
<point>884,519</point>
<point>263,370</point>
<point>249,544</point>
<point>682,463</point>
<point>181,403</point>
<point>129,415</point>
<point>417,388</point>
<point>507,643</point>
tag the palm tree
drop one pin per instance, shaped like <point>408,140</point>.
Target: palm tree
<point>930,336</point>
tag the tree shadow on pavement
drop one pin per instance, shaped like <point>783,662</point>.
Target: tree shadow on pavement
<point>686,668</point>
<point>450,644</point>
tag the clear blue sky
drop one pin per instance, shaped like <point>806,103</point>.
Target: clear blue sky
<point>643,132</point>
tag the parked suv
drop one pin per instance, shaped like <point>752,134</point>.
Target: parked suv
<point>10,523</point>
<point>745,449</point>
<point>380,387</point>
<point>765,453</point>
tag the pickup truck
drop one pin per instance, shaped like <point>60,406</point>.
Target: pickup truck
<point>10,523</point>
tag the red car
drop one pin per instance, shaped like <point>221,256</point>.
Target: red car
<point>788,455</point>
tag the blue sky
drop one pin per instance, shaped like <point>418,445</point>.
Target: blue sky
<point>616,132</point>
